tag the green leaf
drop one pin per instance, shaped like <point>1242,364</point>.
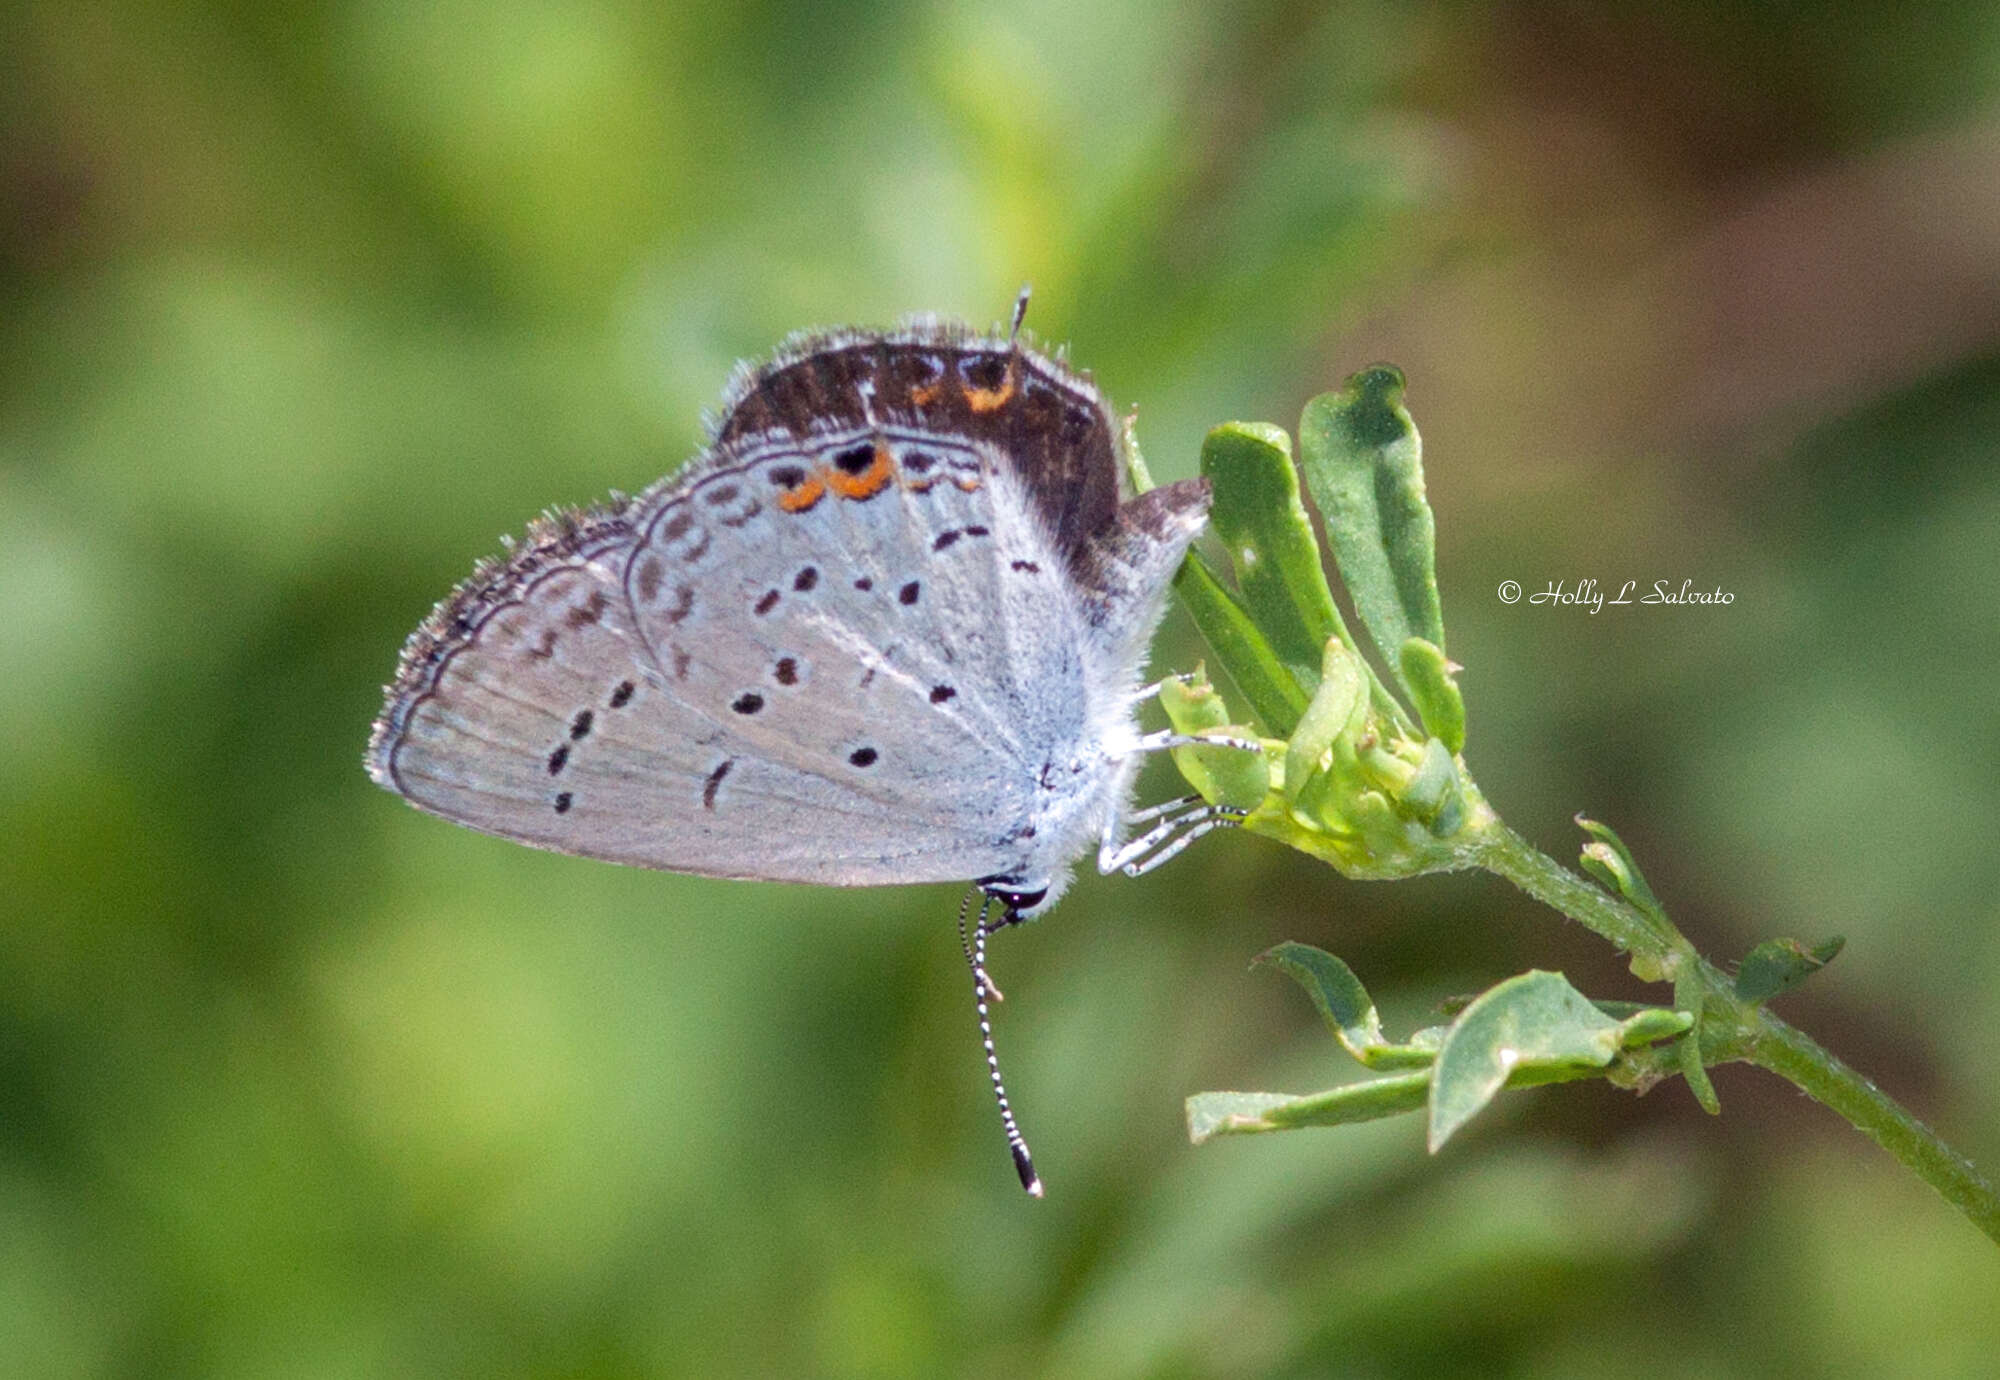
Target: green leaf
<point>1230,1113</point>
<point>1430,1039</point>
<point>1608,860</point>
<point>1240,649</point>
<point>1344,1004</point>
<point>1530,1028</point>
<point>1433,794</point>
<point>1650,1023</point>
<point>1263,525</point>
<point>1778,965</point>
<point>1693,1071</point>
<point>1434,693</point>
<point>1235,1114</point>
<point>1222,775</point>
<point>1363,463</point>
<point>1338,708</point>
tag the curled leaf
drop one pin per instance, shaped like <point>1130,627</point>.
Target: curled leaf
<point>1608,860</point>
<point>1344,1004</point>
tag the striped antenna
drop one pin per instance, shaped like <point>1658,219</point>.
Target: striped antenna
<point>983,991</point>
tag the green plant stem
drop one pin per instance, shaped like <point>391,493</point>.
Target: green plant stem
<point>1735,1030</point>
<point>1793,1055</point>
<point>1505,853</point>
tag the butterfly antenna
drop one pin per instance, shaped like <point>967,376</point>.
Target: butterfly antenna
<point>1020,311</point>
<point>983,990</point>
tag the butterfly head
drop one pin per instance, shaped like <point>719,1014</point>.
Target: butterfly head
<point>1023,898</point>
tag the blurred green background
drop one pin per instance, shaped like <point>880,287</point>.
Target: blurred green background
<point>301,305</point>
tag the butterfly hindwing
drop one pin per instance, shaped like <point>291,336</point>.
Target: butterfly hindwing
<point>844,700</point>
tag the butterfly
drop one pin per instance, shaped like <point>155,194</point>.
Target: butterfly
<point>887,628</point>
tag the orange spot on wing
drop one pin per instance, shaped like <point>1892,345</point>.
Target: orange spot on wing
<point>803,494</point>
<point>987,399</point>
<point>925,394</point>
<point>868,482</point>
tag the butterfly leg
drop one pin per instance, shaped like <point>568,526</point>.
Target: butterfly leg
<point>1152,812</point>
<point>1166,739</point>
<point>1220,817</point>
<point>1188,817</point>
<point>1147,692</point>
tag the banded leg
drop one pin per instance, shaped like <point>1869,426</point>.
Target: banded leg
<point>1112,855</point>
<point>1175,831</point>
<point>1163,739</point>
<point>1147,692</point>
<point>1218,817</point>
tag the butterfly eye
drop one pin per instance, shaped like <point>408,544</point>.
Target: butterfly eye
<point>1016,900</point>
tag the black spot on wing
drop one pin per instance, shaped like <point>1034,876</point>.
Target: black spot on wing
<point>714,783</point>
<point>986,372</point>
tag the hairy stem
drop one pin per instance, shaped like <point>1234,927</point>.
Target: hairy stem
<point>1505,853</point>
<point>1793,1055</point>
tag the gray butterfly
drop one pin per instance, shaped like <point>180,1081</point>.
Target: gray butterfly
<point>888,628</point>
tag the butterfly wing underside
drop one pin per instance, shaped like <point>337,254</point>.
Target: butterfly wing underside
<point>845,648</point>
<point>684,695</point>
